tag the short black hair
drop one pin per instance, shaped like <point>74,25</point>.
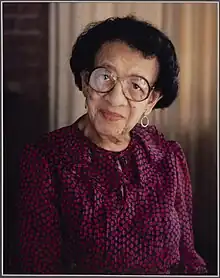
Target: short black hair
<point>138,34</point>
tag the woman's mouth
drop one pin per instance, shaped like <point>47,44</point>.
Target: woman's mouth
<point>111,116</point>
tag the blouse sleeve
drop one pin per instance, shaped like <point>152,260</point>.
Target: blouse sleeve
<point>190,261</point>
<point>39,224</point>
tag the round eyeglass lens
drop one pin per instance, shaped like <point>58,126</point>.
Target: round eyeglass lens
<point>136,88</point>
<point>101,80</point>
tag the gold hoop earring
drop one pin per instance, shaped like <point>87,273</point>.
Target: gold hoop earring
<point>143,119</point>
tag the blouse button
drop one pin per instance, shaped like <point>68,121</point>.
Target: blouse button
<point>72,266</point>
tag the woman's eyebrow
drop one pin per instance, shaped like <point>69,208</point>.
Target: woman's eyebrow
<point>110,66</point>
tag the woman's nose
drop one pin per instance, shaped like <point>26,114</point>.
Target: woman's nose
<point>116,96</point>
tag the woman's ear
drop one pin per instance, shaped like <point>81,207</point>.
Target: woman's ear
<point>84,76</point>
<point>152,100</point>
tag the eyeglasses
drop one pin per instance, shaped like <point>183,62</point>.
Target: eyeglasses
<point>135,88</point>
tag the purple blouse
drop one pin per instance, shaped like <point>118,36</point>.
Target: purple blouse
<point>90,211</point>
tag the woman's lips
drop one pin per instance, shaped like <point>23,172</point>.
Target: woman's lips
<point>111,116</point>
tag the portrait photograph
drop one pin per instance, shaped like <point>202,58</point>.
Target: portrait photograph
<point>110,138</point>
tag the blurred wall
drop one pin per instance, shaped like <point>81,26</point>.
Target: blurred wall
<point>191,120</point>
<point>25,102</point>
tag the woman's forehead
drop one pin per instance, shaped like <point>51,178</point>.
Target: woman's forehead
<point>125,60</point>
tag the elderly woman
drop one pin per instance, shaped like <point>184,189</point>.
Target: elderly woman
<point>108,194</point>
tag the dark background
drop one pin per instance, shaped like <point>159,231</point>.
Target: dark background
<point>25,118</point>
<point>25,101</point>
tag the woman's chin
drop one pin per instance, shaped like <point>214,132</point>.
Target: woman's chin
<point>114,130</point>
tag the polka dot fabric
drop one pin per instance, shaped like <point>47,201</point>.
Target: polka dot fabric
<point>91,211</point>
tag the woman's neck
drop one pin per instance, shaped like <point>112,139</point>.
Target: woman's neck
<point>110,143</point>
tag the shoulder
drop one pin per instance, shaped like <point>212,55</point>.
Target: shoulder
<point>53,144</point>
<point>57,137</point>
<point>150,135</point>
<point>156,143</point>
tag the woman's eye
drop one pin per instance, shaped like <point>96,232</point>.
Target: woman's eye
<point>105,77</point>
<point>135,86</point>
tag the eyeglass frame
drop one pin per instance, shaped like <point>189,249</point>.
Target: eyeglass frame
<point>118,78</point>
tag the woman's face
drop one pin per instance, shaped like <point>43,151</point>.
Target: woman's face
<point>112,114</point>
